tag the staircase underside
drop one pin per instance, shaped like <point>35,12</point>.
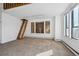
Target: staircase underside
<point>13,5</point>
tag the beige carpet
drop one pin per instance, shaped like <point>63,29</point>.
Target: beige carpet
<point>32,47</point>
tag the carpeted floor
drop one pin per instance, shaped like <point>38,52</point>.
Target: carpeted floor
<point>32,47</point>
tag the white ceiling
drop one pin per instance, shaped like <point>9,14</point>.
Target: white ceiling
<point>47,9</point>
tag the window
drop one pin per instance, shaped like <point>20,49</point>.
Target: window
<point>47,27</point>
<point>75,23</point>
<point>72,23</point>
<point>67,25</point>
<point>32,27</point>
<point>38,27</point>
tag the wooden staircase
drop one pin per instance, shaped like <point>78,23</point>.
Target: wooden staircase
<point>22,29</point>
<point>13,5</point>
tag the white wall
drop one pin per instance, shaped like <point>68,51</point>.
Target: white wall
<point>57,28</point>
<point>0,22</point>
<point>0,30</point>
<point>40,35</point>
<point>10,27</point>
